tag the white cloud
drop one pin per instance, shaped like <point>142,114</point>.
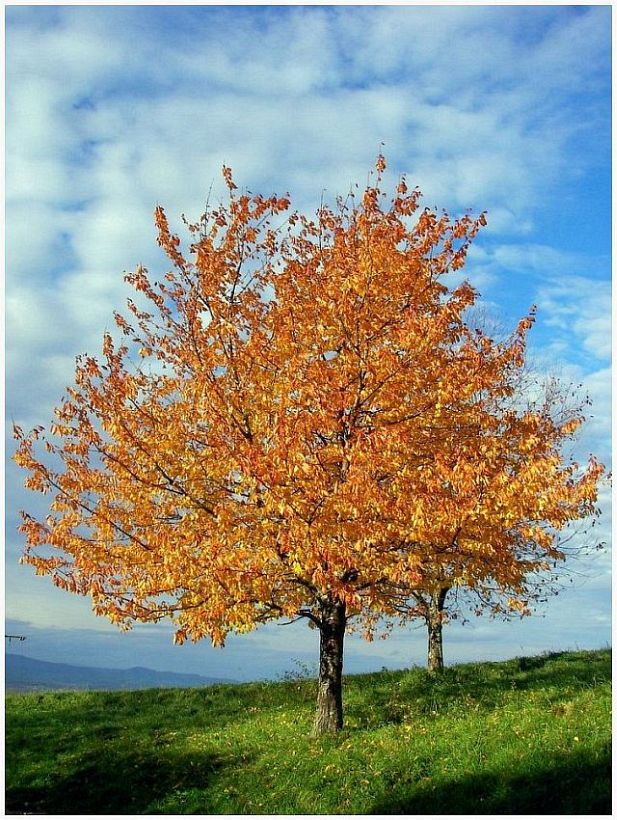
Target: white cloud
<point>597,431</point>
<point>581,307</point>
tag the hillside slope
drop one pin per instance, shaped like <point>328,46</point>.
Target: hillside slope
<point>527,736</point>
<point>25,674</point>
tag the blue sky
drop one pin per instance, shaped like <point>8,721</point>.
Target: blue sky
<point>111,110</point>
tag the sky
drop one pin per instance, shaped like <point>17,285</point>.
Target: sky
<point>111,110</point>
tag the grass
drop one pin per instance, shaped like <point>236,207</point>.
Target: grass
<point>530,735</point>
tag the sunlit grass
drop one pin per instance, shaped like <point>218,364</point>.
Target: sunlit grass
<point>523,736</point>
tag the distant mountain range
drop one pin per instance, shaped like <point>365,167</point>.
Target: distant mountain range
<point>25,674</point>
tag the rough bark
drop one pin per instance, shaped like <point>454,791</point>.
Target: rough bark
<point>434,623</point>
<point>329,715</point>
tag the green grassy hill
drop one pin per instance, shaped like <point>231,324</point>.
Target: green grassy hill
<point>530,735</point>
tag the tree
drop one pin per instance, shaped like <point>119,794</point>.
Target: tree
<point>504,550</point>
<point>263,444</point>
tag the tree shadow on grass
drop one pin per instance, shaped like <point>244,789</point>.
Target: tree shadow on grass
<point>569,785</point>
<point>112,782</point>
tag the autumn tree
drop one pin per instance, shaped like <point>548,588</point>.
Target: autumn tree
<point>509,490</point>
<point>273,435</point>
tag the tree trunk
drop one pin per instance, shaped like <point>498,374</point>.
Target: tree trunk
<point>329,715</point>
<point>434,622</point>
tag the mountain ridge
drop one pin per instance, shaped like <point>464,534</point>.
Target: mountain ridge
<point>26,674</point>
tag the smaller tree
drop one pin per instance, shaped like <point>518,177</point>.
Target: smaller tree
<point>510,489</point>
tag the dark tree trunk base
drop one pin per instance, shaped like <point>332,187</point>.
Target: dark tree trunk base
<point>329,714</point>
<point>434,622</point>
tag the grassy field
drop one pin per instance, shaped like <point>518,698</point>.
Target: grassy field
<point>530,735</point>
